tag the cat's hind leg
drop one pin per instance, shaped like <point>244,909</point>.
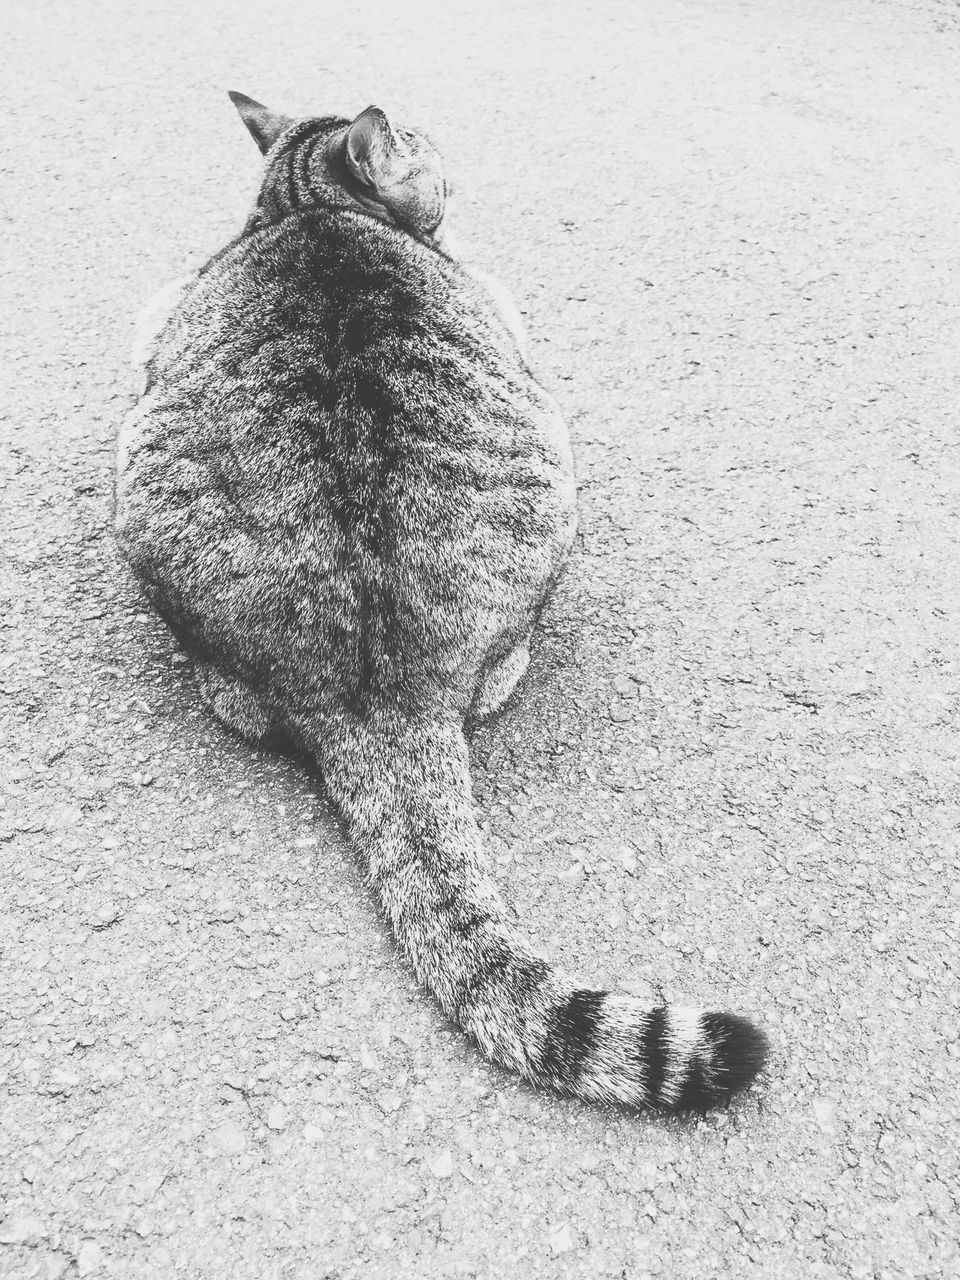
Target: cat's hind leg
<point>500,680</point>
<point>235,704</point>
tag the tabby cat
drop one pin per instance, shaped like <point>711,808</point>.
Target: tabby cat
<point>349,498</point>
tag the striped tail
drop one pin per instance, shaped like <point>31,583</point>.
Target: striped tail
<point>404,791</point>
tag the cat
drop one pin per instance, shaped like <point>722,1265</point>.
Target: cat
<point>349,498</point>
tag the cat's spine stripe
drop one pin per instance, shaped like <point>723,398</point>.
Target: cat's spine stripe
<point>305,155</point>
<point>284,191</point>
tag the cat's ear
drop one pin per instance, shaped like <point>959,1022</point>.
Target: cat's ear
<point>374,152</point>
<point>265,125</point>
<point>406,180</point>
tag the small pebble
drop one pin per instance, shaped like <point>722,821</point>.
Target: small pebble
<point>62,1081</point>
<point>105,916</point>
<point>223,913</point>
<point>55,1265</point>
<point>89,1258</point>
<point>825,1109</point>
<point>560,1239</point>
<point>628,860</point>
<point>230,1139</point>
<point>442,1165</point>
<point>27,1229</point>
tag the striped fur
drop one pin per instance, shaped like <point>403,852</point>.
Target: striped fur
<point>349,498</point>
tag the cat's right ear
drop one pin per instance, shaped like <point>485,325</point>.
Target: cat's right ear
<point>265,125</point>
<point>373,149</point>
<point>407,182</point>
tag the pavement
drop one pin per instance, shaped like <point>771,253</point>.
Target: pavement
<point>732,771</point>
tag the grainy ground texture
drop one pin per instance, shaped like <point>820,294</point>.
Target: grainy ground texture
<point>733,769</point>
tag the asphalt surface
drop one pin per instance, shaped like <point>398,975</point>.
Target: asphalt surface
<point>732,771</point>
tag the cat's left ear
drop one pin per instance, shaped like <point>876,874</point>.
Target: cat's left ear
<point>265,125</point>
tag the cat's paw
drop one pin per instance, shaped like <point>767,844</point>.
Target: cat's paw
<point>505,305</point>
<point>234,703</point>
<point>151,321</point>
<point>500,681</point>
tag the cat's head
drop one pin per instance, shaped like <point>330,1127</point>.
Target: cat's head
<point>392,173</point>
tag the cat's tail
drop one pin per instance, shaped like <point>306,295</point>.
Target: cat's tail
<point>404,790</point>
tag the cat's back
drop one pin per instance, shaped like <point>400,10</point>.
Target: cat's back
<point>331,290</point>
<point>335,408</point>
<point>342,351</point>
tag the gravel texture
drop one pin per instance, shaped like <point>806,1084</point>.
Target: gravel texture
<point>733,769</point>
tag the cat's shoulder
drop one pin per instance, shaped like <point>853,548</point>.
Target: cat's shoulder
<point>343,259</point>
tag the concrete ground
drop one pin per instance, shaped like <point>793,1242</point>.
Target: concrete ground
<point>733,769</point>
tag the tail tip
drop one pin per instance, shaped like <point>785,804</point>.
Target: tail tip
<point>738,1054</point>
